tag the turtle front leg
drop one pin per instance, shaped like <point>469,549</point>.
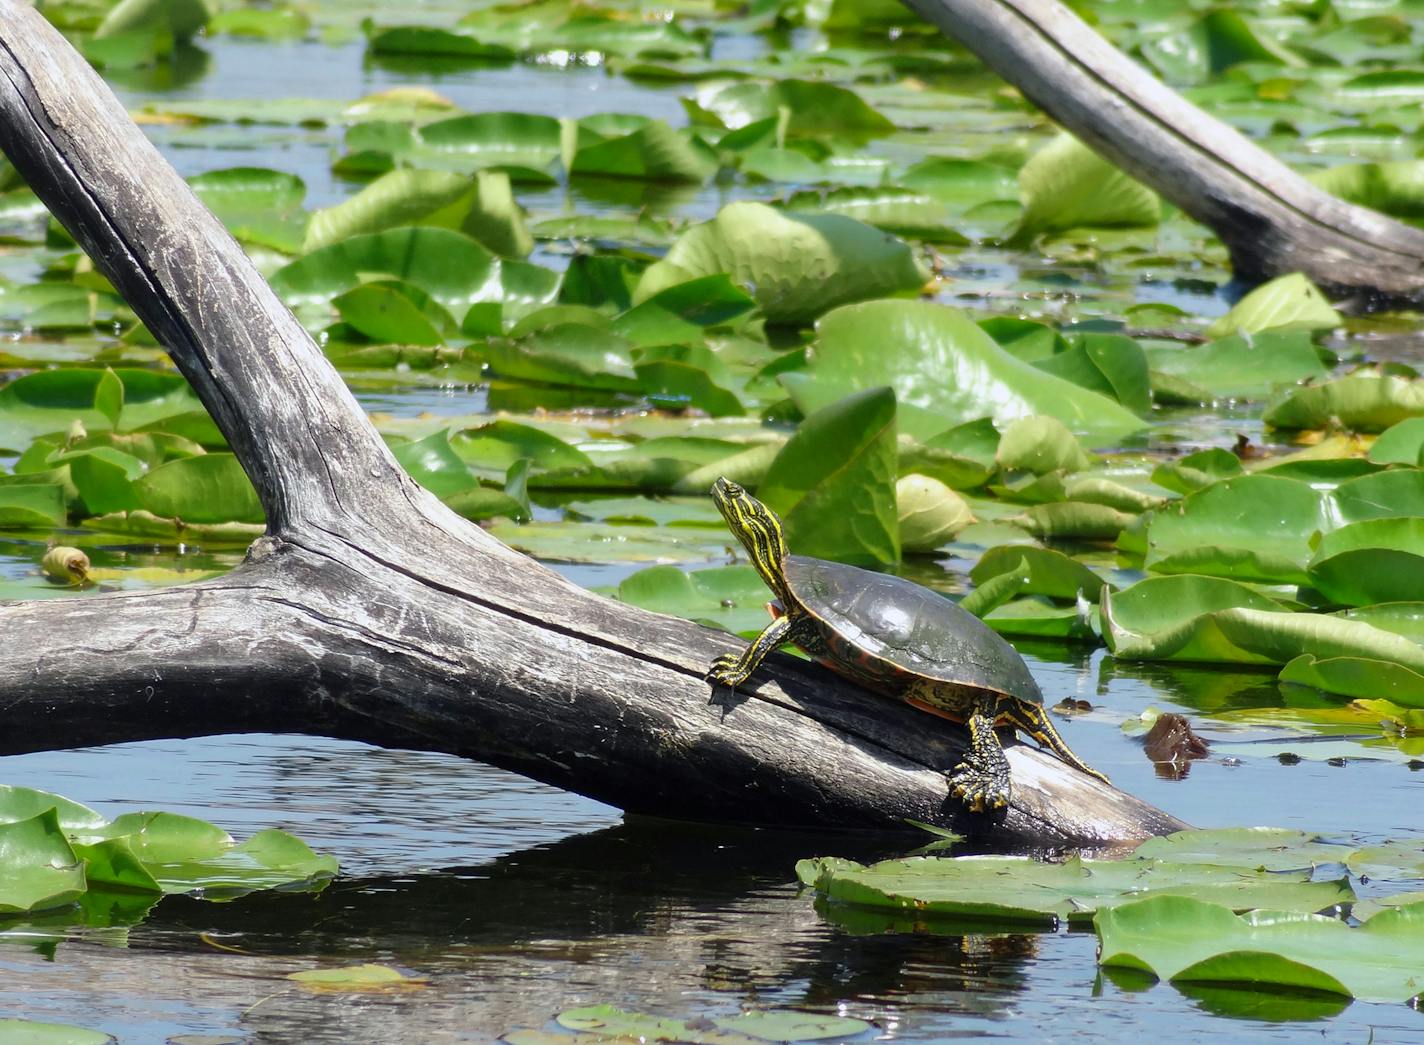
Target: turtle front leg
<point>1033,719</point>
<point>982,779</point>
<point>732,669</point>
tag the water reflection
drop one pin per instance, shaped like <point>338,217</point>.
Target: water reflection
<point>675,920</point>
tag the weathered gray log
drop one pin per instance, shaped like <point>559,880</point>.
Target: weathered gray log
<point>372,612</point>
<point>1271,219</point>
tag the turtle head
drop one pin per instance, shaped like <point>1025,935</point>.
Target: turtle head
<point>759,530</point>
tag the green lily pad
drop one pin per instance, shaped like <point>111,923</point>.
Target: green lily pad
<point>52,400</point>
<point>1394,188</point>
<point>1039,445</point>
<point>653,152</point>
<point>1215,620</point>
<point>1360,677</point>
<point>1031,571</point>
<point>1256,527</point>
<point>730,597</point>
<point>434,464</point>
<point>808,109</point>
<point>1377,560</point>
<point>1178,938</point>
<point>797,265</point>
<point>448,265</point>
<point>40,870</point>
<point>257,205</point>
<point>1288,302</point>
<point>912,346</point>
<point>1020,889</point>
<point>1065,185</point>
<point>904,212</point>
<point>930,513</point>
<point>211,488</point>
<point>481,206</point>
<point>833,483</point>
<point>1258,848</point>
<point>1401,443</point>
<point>1365,401</point>
<point>33,1032</point>
<point>1236,367</point>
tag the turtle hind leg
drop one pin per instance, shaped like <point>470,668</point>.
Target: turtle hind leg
<point>981,781</point>
<point>1033,720</point>
<point>732,669</point>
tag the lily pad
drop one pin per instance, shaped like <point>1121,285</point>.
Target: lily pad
<point>833,483</point>
<point>1178,938</point>
<point>1365,401</point>
<point>1288,302</point>
<point>356,978</point>
<point>945,370</point>
<point>1025,890</point>
<point>730,597</point>
<point>1065,185</point>
<point>797,266</point>
<point>40,870</point>
<point>1256,527</point>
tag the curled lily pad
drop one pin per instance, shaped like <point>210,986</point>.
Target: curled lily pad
<point>1401,443</point>
<point>930,513</point>
<point>811,109</point>
<point>1377,560</point>
<point>1287,302</point>
<point>1066,185</point>
<point>40,869</point>
<point>1365,401</point>
<point>1040,444</point>
<point>1210,619</point>
<point>797,265</point>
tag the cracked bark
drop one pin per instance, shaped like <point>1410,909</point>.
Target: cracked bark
<point>372,612</point>
<point>1271,219</point>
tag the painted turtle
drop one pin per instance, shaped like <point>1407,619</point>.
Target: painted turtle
<point>896,638</point>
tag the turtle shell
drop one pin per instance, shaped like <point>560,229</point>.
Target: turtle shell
<point>888,633</point>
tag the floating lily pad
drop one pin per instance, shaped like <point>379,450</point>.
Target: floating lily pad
<point>1288,302</point>
<point>1365,401</point>
<point>1178,938</point>
<point>357,978</point>
<point>1031,891</point>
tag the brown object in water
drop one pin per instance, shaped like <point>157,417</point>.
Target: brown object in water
<point>1171,744</point>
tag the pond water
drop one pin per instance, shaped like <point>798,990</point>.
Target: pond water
<point>517,901</point>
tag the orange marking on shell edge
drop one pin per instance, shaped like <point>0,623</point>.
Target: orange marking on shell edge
<point>915,702</point>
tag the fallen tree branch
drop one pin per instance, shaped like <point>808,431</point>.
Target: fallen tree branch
<point>372,612</point>
<point>1272,220</point>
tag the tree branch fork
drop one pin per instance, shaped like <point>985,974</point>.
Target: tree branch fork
<point>372,612</point>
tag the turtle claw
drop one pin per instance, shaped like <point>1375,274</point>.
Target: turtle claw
<point>979,790</point>
<point>724,671</point>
